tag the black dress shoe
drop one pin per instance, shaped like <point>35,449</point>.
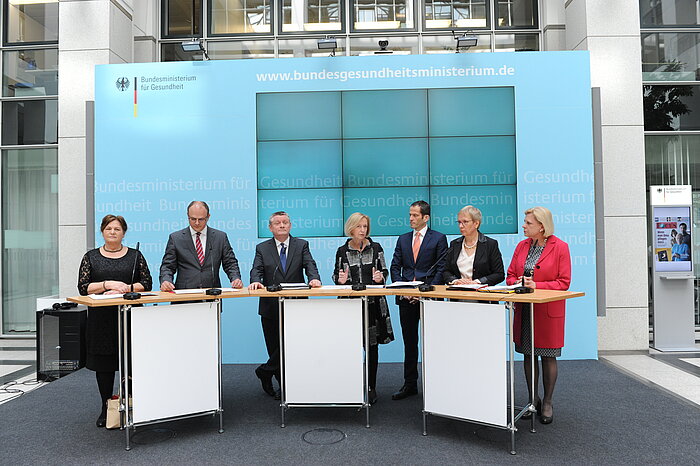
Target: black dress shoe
<point>265,380</point>
<point>372,396</point>
<point>404,392</point>
<point>278,395</point>
<point>102,420</point>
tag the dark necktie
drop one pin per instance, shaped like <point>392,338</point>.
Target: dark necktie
<point>283,258</point>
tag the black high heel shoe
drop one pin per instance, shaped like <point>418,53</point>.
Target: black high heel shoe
<point>547,419</point>
<point>102,420</point>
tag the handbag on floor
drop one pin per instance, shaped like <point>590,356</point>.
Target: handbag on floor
<point>113,415</point>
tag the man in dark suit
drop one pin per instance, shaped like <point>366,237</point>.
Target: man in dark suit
<point>281,259</point>
<point>196,253</point>
<point>418,256</point>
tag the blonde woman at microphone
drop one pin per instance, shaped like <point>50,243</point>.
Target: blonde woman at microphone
<point>542,261</point>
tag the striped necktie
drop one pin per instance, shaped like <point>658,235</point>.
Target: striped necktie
<point>200,251</point>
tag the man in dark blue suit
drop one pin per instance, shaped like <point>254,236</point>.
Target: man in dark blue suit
<point>416,254</point>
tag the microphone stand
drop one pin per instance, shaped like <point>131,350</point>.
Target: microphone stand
<point>425,287</point>
<point>274,287</point>
<point>212,291</point>
<point>522,289</point>
<point>132,295</point>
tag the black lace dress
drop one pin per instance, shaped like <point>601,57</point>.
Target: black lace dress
<point>102,323</point>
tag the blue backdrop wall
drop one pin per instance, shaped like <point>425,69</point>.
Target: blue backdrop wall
<point>324,137</point>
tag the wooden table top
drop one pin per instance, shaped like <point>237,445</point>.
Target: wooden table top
<point>537,297</point>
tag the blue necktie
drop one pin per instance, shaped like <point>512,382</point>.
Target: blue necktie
<point>283,258</point>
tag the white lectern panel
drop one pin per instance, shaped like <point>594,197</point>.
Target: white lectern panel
<point>464,360</point>
<point>323,352</point>
<point>175,360</point>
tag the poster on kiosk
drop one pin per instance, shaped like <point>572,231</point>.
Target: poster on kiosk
<point>672,239</point>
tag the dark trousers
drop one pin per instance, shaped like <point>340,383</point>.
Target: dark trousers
<point>372,362</point>
<point>271,331</point>
<point>410,317</point>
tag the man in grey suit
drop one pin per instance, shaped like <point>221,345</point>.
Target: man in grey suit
<point>196,253</point>
<point>281,259</point>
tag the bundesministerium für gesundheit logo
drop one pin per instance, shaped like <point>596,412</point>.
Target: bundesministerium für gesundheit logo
<point>122,84</point>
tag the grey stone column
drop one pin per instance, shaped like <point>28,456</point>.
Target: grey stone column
<point>610,32</point>
<point>91,32</point>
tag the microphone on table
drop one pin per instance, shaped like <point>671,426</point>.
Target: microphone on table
<point>423,287</point>
<point>274,287</point>
<point>212,291</point>
<point>132,295</point>
<point>522,289</point>
<point>359,286</point>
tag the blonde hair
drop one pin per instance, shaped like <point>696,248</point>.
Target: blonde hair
<point>353,221</point>
<point>472,212</point>
<point>544,216</point>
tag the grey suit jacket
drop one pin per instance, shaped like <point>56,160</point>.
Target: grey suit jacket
<point>268,271</point>
<point>180,259</point>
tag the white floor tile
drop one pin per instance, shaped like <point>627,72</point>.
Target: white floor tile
<point>9,369</point>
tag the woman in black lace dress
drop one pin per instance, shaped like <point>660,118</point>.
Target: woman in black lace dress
<point>108,270</point>
<point>361,260</point>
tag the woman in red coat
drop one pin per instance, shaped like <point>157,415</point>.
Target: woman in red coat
<point>542,261</point>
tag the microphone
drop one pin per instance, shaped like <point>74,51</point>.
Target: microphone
<point>359,286</point>
<point>274,287</point>
<point>212,291</point>
<point>131,295</point>
<point>426,286</point>
<point>522,289</point>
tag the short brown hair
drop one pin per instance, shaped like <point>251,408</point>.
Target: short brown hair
<point>109,218</point>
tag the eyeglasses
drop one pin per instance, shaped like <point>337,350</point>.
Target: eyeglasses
<point>464,222</point>
<point>198,220</point>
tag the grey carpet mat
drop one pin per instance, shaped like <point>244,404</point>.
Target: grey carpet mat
<point>601,416</point>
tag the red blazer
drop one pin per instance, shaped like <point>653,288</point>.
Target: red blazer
<point>552,272</point>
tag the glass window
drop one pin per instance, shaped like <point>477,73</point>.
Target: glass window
<point>30,72</point>
<point>31,21</point>
<point>240,17</point>
<point>182,18</point>
<point>382,14</point>
<point>172,51</point>
<point>517,42</point>
<point>30,122</point>
<point>673,160</point>
<point>397,45</point>
<point>671,108</point>
<point>668,12</point>
<point>442,14</point>
<point>517,13</point>
<point>241,49</point>
<point>312,15</point>
<point>670,57</point>
<point>29,234</point>
<point>446,44</point>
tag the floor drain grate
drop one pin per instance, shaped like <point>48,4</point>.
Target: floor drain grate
<point>323,436</point>
<point>150,436</point>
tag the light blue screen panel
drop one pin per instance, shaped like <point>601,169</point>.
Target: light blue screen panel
<point>497,205</point>
<point>472,161</point>
<point>385,114</point>
<point>314,212</point>
<point>386,207</point>
<point>476,111</point>
<point>385,162</point>
<point>298,115</point>
<point>276,172</point>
